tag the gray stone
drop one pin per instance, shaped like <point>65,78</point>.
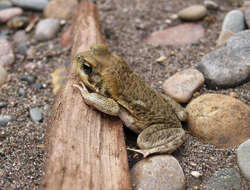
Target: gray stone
<point>21,92</point>
<point>234,21</point>
<point>224,179</point>
<point>18,22</point>
<point>6,54</point>
<point>3,104</point>
<point>211,5</point>
<point>162,171</point>
<point>36,114</point>
<point>243,158</point>
<point>37,5</point>
<point>193,13</point>
<point>5,119</point>
<point>182,85</point>
<point>46,29</point>
<point>20,37</point>
<point>5,4</point>
<point>3,75</point>
<point>30,79</point>
<point>228,66</point>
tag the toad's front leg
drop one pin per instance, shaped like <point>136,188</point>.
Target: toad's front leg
<point>101,103</point>
<point>158,138</point>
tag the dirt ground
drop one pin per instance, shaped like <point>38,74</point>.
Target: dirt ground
<point>126,24</point>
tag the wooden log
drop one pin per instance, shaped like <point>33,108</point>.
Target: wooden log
<point>86,148</point>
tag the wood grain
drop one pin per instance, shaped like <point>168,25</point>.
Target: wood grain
<point>86,149</point>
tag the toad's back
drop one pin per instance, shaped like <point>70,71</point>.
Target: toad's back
<point>145,104</point>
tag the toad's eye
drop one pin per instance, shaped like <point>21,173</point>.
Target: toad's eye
<point>86,67</point>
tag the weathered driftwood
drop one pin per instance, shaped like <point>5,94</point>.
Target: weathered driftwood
<point>86,149</point>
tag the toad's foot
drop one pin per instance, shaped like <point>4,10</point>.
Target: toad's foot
<point>101,103</point>
<point>145,153</point>
<point>158,139</point>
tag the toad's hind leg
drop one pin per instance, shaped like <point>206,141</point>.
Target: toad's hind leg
<point>159,139</point>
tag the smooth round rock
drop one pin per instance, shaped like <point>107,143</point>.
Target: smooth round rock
<point>180,35</point>
<point>211,5</point>
<point>5,119</point>
<point>193,13</point>
<point>3,75</point>
<point>5,4</point>
<point>162,171</point>
<point>218,119</point>
<point>224,179</point>
<point>20,37</point>
<point>234,21</point>
<point>7,14</point>
<point>36,114</point>
<point>36,5</point>
<point>60,9</point>
<point>6,54</point>
<point>228,66</point>
<point>3,104</point>
<point>243,158</point>
<point>47,29</point>
<point>182,85</point>
<point>224,36</point>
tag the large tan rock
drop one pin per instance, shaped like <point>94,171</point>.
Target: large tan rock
<point>60,9</point>
<point>219,119</point>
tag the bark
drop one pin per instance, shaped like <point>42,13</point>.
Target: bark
<point>86,148</point>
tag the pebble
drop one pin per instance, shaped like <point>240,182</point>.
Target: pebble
<point>195,174</point>
<point>3,75</point>
<point>211,5</point>
<point>210,120</point>
<point>161,59</point>
<point>247,16</point>
<point>224,36</point>
<point>47,29</point>
<point>228,66</point>
<point>243,158</point>
<point>22,49</point>
<point>30,79</point>
<point>60,9</point>
<point>36,85</point>
<point>5,119</point>
<point>5,4</point>
<point>7,14</point>
<point>36,114</point>
<point>162,171</point>
<point>6,54</point>
<point>36,5</point>
<point>182,85</point>
<point>224,179</point>
<point>193,13</point>
<point>3,104</point>
<point>18,22</point>
<point>20,37</point>
<point>180,35</point>
<point>234,21</point>
<point>21,92</point>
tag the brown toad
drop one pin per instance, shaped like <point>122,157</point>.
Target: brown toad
<point>116,90</point>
